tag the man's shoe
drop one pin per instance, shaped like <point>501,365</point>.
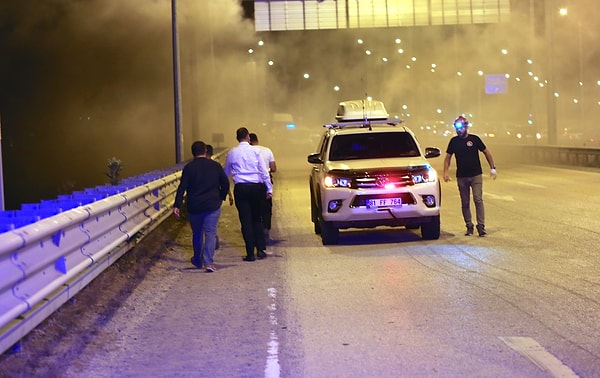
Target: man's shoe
<point>196,263</point>
<point>262,255</point>
<point>469,231</point>
<point>210,269</point>
<point>268,240</point>
<point>249,258</point>
<point>481,231</point>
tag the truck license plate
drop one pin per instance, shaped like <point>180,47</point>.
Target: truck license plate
<point>384,202</point>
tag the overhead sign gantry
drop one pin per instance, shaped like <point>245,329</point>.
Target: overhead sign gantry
<point>273,15</point>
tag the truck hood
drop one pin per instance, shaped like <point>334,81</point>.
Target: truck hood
<point>375,164</point>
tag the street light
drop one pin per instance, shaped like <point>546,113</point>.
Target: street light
<point>550,92</point>
<point>301,89</point>
<point>176,84</point>
<point>565,12</point>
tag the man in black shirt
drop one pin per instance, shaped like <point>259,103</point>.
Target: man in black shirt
<point>469,174</point>
<point>206,185</point>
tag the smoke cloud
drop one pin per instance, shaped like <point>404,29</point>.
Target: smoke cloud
<point>83,81</point>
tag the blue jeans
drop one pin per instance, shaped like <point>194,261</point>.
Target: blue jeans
<point>466,185</point>
<point>204,235</point>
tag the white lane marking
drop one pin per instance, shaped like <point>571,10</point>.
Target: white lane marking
<point>531,349</point>
<point>531,184</point>
<point>272,369</point>
<point>499,197</point>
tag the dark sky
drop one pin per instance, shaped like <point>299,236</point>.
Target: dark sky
<point>82,81</point>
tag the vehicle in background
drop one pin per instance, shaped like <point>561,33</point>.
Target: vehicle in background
<point>284,135</point>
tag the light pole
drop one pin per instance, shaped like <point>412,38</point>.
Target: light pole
<point>458,72</point>
<point>1,171</point>
<point>301,89</point>
<point>176,84</point>
<point>550,89</point>
<point>580,102</point>
<point>480,89</point>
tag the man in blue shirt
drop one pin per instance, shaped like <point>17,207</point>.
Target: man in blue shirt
<point>469,174</point>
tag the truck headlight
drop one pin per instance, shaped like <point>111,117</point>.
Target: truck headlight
<point>424,175</point>
<point>332,181</point>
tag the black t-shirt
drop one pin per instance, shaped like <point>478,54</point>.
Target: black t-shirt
<point>467,154</point>
<point>205,183</point>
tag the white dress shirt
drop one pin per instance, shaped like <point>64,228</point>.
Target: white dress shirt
<point>266,154</point>
<point>245,165</point>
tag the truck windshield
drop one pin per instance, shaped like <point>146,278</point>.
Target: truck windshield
<point>373,146</point>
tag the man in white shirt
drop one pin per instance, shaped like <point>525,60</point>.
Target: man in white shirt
<point>267,210</point>
<point>252,185</point>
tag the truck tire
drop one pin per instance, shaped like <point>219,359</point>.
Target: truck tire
<point>431,230</point>
<point>330,235</point>
<point>315,213</point>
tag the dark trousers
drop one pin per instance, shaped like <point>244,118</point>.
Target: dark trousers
<point>267,213</point>
<point>249,199</point>
<point>466,185</point>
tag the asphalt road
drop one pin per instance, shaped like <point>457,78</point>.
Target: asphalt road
<point>522,302</point>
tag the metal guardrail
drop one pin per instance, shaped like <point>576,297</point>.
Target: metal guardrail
<point>577,156</point>
<point>532,154</point>
<point>45,263</point>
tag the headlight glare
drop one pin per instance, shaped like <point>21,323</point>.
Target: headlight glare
<point>423,176</point>
<point>331,181</point>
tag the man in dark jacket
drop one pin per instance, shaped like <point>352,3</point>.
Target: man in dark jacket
<point>206,185</point>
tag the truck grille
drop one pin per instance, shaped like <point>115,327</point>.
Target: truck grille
<point>380,181</point>
<point>398,177</point>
